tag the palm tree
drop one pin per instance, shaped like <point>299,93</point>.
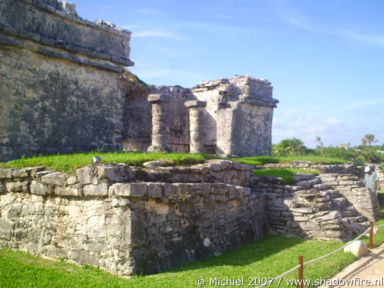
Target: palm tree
<point>368,139</point>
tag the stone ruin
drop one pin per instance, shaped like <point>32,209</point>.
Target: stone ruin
<point>64,88</point>
<point>136,220</point>
<point>225,117</point>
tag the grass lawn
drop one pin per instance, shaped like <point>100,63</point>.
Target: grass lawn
<point>267,257</point>
<point>69,162</point>
<point>261,160</point>
<point>285,173</point>
<point>264,258</point>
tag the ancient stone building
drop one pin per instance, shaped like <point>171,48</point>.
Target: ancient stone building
<point>65,88</point>
<point>59,80</point>
<point>226,116</point>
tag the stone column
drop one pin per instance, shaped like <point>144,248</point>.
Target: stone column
<point>159,137</point>
<point>196,144</point>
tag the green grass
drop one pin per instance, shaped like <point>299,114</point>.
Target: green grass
<point>267,257</point>
<point>378,238</point>
<point>285,173</point>
<point>264,258</point>
<point>69,162</point>
<point>314,159</point>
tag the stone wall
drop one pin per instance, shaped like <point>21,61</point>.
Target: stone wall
<point>60,80</point>
<point>129,220</point>
<point>333,205</point>
<point>103,217</point>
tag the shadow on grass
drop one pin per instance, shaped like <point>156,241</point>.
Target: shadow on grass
<point>244,256</point>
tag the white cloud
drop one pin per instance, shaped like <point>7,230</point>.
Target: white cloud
<point>159,34</point>
<point>364,38</point>
<point>304,22</point>
<point>357,105</point>
<point>300,124</point>
<point>332,121</point>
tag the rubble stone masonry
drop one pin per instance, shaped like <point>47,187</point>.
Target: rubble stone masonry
<point>132,220</point>
<point>59,79</point>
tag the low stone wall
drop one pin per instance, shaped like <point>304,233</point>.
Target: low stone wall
<point>131,220</point>
<point>328,206</point>
<point>103,217</point>
<point>215,171</point>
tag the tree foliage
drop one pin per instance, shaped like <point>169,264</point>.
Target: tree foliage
<point>368,139</point>
<point>287,147</point>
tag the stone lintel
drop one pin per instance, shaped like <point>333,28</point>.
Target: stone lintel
<point>157,98</point>
<point>195,104</point>
<point>261,102</point>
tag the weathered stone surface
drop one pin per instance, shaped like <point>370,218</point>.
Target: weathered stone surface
<point>55,178</point>
<point>125,227</point>
<point>38,188</point>
<point>109,44</point>
<point>5,173</point>
<point>17,186</point>
<point>129,189</point>
<point>328,206</point>
<point>113,173</point>
<point>357,248</point>
<point>159,137</point>
<point>71,191</point>
<point>94,190</point>
<point>226,116</point>
<point>58,80</point>
<point>84,175</point>
<point>155,164</point>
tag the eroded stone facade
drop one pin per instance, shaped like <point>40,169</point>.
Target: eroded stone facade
<point>103,216</point>
<point>60,80</point>
<point>130,220</point>
<point>227,117</point>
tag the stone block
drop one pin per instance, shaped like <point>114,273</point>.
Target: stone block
<point>155,190</point>
<point>71,180</point>
<point>2,188</point>
<point>157,97</point>
<point>84,175</point>
<point>20,172</point>
<point>115,173</point>
<point>333,215</point>
<point>38,188</point>
<point>74,190</point>
<point>18,186</point>
<point>100,190</point>
<point>305,184</point>
<point>55,178</point>
<point>6,173</point>
<point>168,190</point>
<point>129,189</point>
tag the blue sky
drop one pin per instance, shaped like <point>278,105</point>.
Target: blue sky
<point>324,58</point>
